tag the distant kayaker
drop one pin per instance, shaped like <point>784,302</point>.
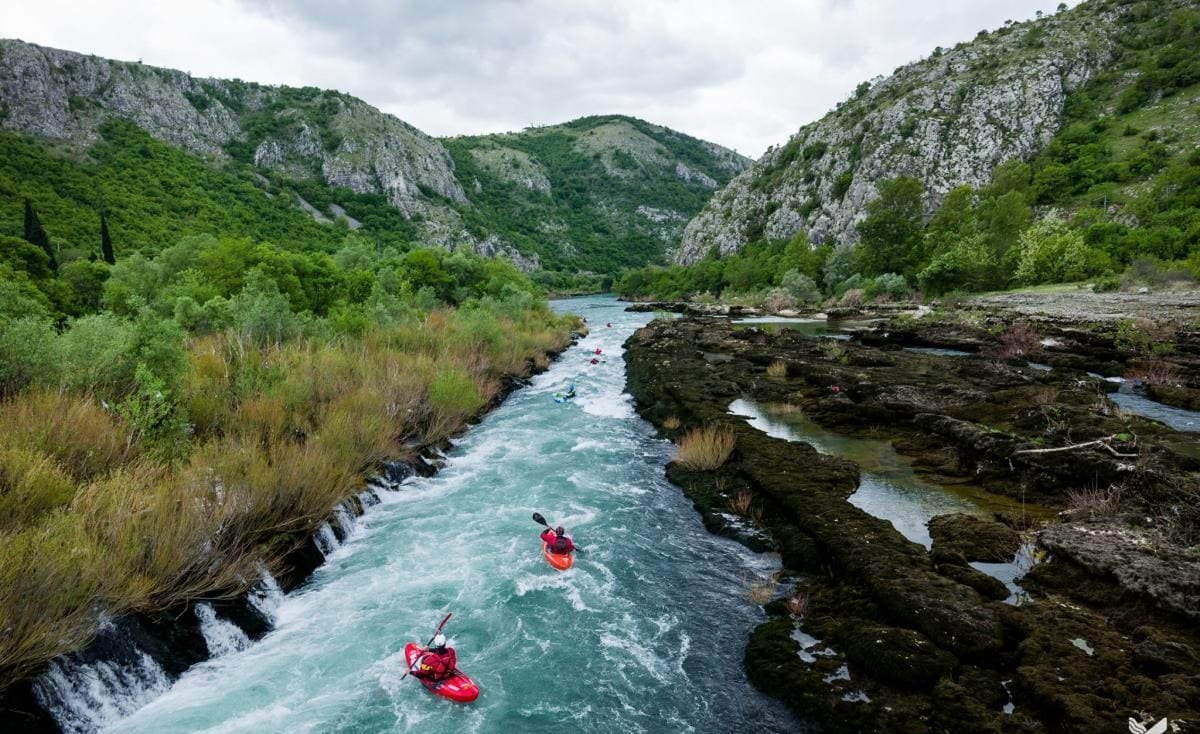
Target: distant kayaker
<point>557,541</point>
<point>437,662</point>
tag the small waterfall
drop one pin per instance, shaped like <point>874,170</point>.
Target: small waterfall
<point>221,635</point>
<point>85,697</point>
<point>325,539</point>
<point>369,498</point>
<point>266,596</point>
<point>346,521</point>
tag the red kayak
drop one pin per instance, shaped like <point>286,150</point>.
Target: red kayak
<point>458,687</point>
<point>561,561</point>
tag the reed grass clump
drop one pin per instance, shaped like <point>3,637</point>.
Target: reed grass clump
<point>705,448</point>
<point>777,369</point>
<point>672,423</point>
<point>761,589</point>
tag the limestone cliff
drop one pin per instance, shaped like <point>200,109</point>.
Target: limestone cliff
<point>948,119</point>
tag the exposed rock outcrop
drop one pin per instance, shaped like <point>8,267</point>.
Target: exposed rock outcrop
<point>948,119</point>
<point>302,133</point>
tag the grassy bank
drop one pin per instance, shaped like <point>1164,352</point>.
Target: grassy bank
<point>164,498</point>
<point>181,420</point>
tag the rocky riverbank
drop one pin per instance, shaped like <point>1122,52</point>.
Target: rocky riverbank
<point>880,634</point>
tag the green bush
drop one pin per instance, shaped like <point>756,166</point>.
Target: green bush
<point>800,287</point>
<point>28,353</point>
<point>1052,252</point>
<point>892,285</point>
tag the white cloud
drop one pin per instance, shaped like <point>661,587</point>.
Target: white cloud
<point>744,74</point>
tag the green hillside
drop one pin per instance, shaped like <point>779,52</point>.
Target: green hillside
<point>595,194</point>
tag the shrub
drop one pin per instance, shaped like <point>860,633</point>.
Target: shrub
<point>1106,284</point>
<point>27,354</point>
<point>853,298</point>
<point>891,285</point>
<point>1018,340</point>
<point>801,287</point>
<point>1052,252</point>
<point>778,299</point>
<point>705,448</point>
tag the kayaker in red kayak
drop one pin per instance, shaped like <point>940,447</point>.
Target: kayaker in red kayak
<point>556,540</point>
<point>437,662</point>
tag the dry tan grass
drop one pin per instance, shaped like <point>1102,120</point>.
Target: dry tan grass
<point>1018,340</point>
<point>705,448</point>
<point>761,590</point>
<point>31,484</point>
<point>1045,397</point>
<point>672,423</point>
<point>77,431</point>
<point>1094,501</point>
<point>777,369</point>
<point>797,604</point>
<point>741,502</point>
<point>1156,372</point>
<point>784,409</point>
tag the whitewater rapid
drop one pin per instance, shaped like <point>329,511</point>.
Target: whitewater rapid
<point>644,634</point>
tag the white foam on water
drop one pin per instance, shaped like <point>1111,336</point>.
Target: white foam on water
<point>325,539</point>
<point>220,635</point>
<point>842,673</point>
<point>810,647</point>
<point>85,698</point>
<point>266,596</point>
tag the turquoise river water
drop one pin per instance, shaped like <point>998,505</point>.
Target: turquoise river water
<point>644,634</point>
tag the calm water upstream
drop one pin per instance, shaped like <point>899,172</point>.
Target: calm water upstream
<point>644,634</point>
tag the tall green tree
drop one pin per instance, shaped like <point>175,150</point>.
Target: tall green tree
<point>890,238</point>
<point>106,246</point>
<point>35,234</point>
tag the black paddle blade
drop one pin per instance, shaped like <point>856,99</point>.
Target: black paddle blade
<point>537,517</point>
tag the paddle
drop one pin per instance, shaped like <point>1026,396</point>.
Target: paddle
<point>427,644</point>
<point>537,517</point>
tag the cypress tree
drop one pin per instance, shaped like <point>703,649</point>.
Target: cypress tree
<point>36,235</point>
<point>106,248</point>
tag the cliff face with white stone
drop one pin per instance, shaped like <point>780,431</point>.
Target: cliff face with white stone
<point>948,119</point>
<point>644,182</point>
<point>306,133</point>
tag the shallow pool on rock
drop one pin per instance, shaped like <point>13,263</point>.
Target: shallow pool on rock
<point>890,489</point>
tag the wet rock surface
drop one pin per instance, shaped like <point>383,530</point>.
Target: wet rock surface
<point>922,641</point>
<point>975,538</point>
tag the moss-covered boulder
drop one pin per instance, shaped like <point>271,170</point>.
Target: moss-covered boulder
<point>974,537</point>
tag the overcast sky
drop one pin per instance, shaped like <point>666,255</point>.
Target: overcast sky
<point>742,73</point>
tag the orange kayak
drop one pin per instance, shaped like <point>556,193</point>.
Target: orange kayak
<point>561,561</point>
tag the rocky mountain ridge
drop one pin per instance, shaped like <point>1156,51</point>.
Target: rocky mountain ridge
<point>517,199</point>
<point>601,192</point>
<point>948,119</point>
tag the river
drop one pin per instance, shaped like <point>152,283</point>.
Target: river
<point>644,634</point>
